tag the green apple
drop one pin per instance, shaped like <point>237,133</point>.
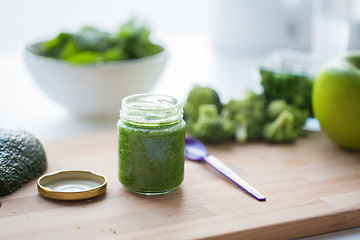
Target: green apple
<point>336,100</point>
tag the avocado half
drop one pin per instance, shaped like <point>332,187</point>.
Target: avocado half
<point>22,158</point>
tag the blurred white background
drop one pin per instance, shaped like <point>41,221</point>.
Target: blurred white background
<point>248,26</point>
<point>210,42</point>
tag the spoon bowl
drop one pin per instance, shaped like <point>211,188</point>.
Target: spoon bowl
<point>195,150</point>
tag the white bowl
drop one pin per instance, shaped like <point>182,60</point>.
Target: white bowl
<point>94,90</point>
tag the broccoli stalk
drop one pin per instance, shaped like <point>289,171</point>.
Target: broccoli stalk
<point>241,127</point>
<point>210,126</point>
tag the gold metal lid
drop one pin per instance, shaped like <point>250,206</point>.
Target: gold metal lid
<point>72,185</point>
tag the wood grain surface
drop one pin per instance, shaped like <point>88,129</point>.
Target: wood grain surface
<point>311,186</point>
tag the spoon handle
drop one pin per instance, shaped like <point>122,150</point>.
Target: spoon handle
<point>227,172</point>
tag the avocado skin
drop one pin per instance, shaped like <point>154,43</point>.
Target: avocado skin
<point>22,158</point>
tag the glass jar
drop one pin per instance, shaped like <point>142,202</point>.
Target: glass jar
<point>151,143</point>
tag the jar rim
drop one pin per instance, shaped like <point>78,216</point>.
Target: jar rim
<point>125,101</point>
<point>149,108</point>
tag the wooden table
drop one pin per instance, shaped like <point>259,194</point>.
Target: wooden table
<point>312,187</point>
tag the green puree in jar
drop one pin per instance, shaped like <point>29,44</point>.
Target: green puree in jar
<point>151,144</point>
<point>151,157</point>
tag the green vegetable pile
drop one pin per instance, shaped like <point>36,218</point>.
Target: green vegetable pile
<point>90,45</point>
<point>283,83</point>
<point>276,115</point>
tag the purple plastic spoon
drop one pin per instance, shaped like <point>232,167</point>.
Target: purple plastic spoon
<point>196,151</point>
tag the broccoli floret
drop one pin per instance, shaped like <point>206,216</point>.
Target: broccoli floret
<point>247,115</point>
<point>210,126</point>
<point>285,122</point>
<point>197,97</point>
<point>282,129</point>
<point>276,107</point>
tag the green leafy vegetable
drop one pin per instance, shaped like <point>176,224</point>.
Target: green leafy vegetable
<point>283,83</point>
<point>90,45</point>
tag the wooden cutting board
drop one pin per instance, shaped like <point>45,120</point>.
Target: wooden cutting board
<point>312,187</point>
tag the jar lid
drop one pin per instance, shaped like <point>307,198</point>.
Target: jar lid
<point>72,185</point>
